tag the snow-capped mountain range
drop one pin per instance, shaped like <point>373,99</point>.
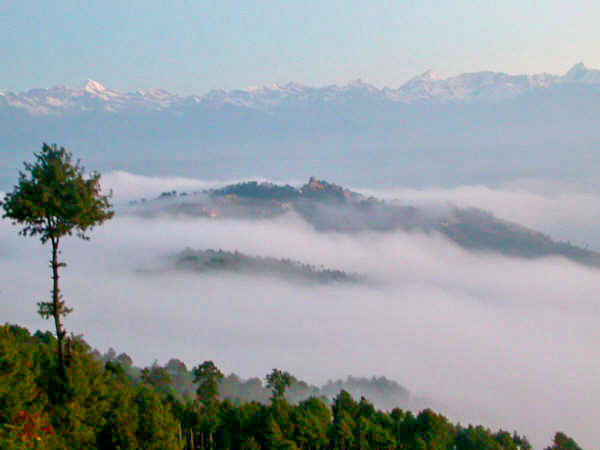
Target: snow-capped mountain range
<point>426,88</point>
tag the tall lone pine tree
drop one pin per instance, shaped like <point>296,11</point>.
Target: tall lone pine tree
<point>52,199</point>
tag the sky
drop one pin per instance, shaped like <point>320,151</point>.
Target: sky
<point>194,46</point>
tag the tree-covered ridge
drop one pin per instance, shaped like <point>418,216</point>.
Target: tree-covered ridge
<point>330,207</point>
<point>219,260</point>
<point>476,229</point>
<point>383,392</point>
<point>260,191</point>
<point>107,404</point>
<point>314,189</point>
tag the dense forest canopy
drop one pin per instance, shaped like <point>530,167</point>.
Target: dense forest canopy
<point>111,404</point>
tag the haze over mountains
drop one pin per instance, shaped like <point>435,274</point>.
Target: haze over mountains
<point>477,127</point>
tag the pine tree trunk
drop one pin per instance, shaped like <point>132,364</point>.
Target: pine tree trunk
<point>56,306</point>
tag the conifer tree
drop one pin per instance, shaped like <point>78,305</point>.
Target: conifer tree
<point>54,198</point>
<point>207,376</point>
<point>278,381</point>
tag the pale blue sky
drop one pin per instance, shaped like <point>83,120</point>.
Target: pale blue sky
<point>194,46</point>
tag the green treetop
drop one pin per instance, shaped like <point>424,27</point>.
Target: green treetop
<point>278,381</point>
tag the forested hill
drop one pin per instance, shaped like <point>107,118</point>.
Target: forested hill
<point>329,207</point>
<point>214,261</point>
<point>105,402</point>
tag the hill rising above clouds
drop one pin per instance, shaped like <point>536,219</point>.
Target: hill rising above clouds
<point>215,261</point>
<point>329,207</point>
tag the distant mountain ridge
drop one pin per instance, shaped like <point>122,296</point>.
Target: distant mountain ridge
<point>483,127</point>
<point>484,86</point>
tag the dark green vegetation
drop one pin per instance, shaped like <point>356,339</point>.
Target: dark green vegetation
<point>53,199</point>
<point>100,407</point>
<point>329,207</point>
<point>220,261</point>
<point>110,404</point>
<point>385,394</point>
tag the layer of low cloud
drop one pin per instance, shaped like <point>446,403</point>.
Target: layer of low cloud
<point>505,342</point>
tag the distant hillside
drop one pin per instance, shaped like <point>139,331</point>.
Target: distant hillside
<point>383,392</point>
<point>222,261</point>
<point>332,208</point>
<point>480,230</point>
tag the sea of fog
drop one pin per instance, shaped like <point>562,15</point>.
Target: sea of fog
<point>505,342</point>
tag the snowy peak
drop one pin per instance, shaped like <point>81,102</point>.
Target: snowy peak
<point>426,77</point>
<point>428,87</point>
<point>482,86</point>
<point>96,90</point>
<point>92,96</point>
<point>94,87</point>
<point>430,75</point>
<point>422,87</point>
<point>581,74</point>
<point>360,84</point>
<point>424,80</point>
